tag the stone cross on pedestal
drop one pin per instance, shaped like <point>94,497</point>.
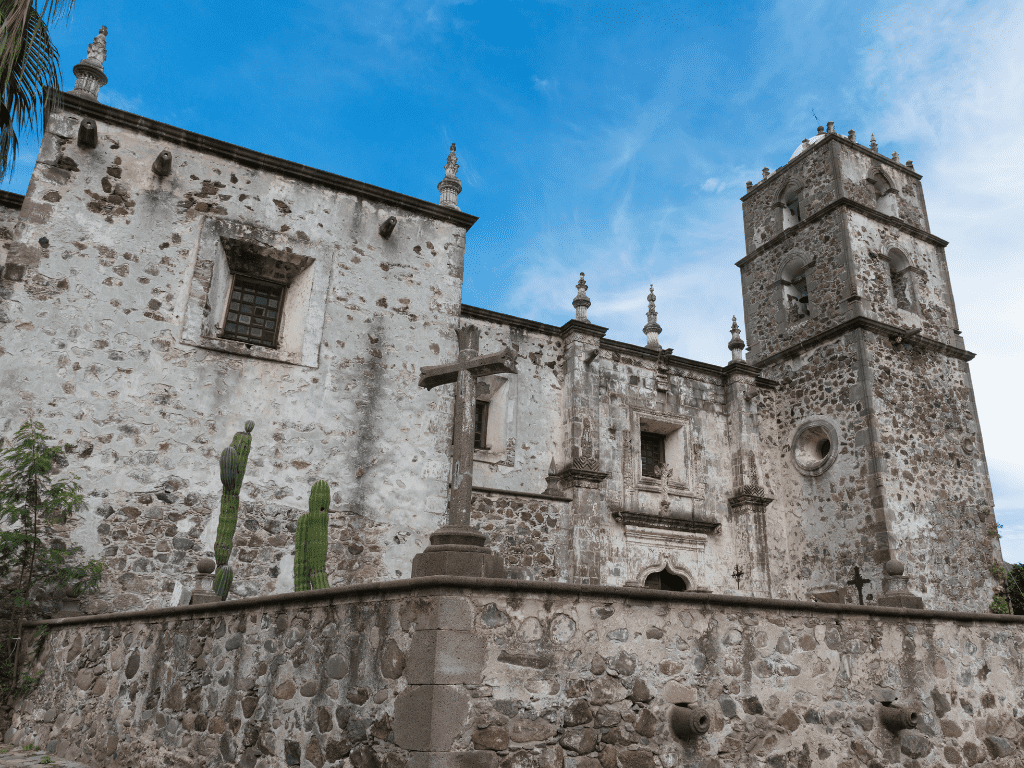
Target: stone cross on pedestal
<point>457,549</point>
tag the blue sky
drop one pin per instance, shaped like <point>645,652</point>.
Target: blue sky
<point>615,138</point>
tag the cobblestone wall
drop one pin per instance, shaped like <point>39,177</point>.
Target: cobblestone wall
<point>555,677</point>
<point>527,532</point>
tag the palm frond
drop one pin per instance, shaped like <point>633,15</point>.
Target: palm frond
<point>34,68</point>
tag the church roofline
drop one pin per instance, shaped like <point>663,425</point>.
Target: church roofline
<point>258,160</point>
<point>479,313</point>
<point>793,162</point>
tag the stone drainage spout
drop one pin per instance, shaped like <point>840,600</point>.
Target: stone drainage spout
<point>687,723</point>
<point>897,719</point>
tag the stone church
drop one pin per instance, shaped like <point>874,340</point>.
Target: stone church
<point>161,288</point>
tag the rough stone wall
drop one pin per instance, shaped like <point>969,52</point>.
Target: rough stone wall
<point>937,486</point>
<point>932,303</point>
<point>551,678</point>
<point>527,532</point>
<point>813,169</point>
<point>94,319</point>
<point>768,328</point>
<point>857,165</point>
<point>829,523</point>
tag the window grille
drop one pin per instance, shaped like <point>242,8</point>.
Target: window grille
<point>652,453</point>
<point>480,428</point>
<point>254,312</point>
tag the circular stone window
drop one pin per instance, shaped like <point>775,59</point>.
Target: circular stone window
<point>815,447</point>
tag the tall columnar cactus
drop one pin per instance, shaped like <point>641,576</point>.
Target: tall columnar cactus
<point>233,461</point>
<point>311,540</point>
<point>222,581</point>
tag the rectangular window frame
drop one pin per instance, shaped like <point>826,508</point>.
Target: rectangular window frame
<point>268,285</point>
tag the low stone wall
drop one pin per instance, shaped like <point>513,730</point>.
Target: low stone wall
<point>440,672</point>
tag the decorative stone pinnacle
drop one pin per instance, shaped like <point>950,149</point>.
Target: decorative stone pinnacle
<point>853,135</point>
<point>831,126</point>
<point>652,329</point>
<point>736,343</point>
<point>874,144</point>
<point>89,70</point>
<point>450,186</point>
<point>821,129</point>
<point>910,164</point>
<point>582,301</point>
<point>896,156</point>
<point>765,173</point>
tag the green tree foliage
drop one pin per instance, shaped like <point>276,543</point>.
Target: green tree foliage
<point>37,568</point>
<point>29,64</point>
<point>1009,598</point>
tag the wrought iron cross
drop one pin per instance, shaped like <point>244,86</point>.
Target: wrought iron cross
<point>858,581</point>
<point>737,574</point>
<point>470,366</point>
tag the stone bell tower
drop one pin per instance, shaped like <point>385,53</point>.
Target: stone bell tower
<point>877,450</point>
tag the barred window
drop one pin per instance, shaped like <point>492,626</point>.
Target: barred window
<point>254,312</point>
<point>480,431</point>
<point>652,454</point>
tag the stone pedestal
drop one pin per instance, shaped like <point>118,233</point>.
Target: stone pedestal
<point>203,592</point>
<point>896,588</point>
<point>458,551</point>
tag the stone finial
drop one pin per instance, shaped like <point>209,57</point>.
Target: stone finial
<point>910,164</point>
<point>652,329</point>
<point>765,173</point>
<point>874,144</point>
<point>736,343</point>
<point>821,129</point>
<point>89,70</point>
<point>582,301</point>
<point>450,186</point>
<point>750,185</point>
<point>852,135</point>
<point>553,481</point>
<point>896,156</point>
<point>831,126</point>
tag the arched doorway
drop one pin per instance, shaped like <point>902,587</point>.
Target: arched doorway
<point>665,579</point>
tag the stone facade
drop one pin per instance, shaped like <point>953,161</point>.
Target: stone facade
<point>494,674</point>
<point>114,299</point>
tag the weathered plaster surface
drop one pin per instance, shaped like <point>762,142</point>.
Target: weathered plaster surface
<point>92,346</point>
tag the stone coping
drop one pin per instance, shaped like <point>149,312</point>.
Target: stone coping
<point>258,160</point>
<point>854,205</point>
<point>448,585</point>
<point>524,494</point>
<point>11,200</point>
<point>874,326</point>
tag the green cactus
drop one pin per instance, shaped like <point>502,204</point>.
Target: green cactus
<point>233,461</point>
<point>311,541</point>
<point>222,581</point>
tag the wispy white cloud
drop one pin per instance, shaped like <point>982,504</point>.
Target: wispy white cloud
<point>548,86</point>
<point>950,77</point>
